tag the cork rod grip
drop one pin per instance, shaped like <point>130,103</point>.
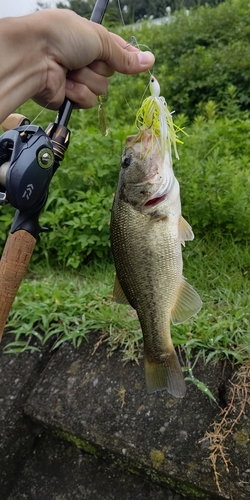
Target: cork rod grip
<point>15,259</point>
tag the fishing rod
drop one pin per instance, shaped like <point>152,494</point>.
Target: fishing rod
<point>29,157</point>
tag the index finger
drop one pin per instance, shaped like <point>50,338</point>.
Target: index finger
<point>101,68</point>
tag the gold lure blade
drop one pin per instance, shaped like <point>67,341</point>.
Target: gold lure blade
<point>103,125</point>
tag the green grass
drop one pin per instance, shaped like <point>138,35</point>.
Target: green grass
<point>61,305</point>
<point>220,271</point>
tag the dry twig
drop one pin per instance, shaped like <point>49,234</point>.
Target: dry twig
<point>99,342</point>
<point>229,417</point>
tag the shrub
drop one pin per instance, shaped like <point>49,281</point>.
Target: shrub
<point>213,172</point>
<point>197,56</point>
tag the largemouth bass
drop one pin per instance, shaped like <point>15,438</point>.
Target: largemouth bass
<point>147,230</point>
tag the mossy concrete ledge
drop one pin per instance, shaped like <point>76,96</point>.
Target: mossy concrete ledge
<point>18,374</point>
<point>102,406</point>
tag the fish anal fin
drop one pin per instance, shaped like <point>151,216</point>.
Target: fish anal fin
<point>165,375</point>
<point>188,303</point>
<point>118,293</point>
<point>185,231</point>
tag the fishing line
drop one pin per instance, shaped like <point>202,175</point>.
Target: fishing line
<point>153,112</point>
<point>37,116</point>
<point>120,11</point>
<point>134,42</point>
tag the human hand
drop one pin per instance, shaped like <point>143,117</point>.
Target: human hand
<point>53,54</point>
<point>80,62</point>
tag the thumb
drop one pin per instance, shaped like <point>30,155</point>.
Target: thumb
<point>134,62</point>
<point>126,58</point>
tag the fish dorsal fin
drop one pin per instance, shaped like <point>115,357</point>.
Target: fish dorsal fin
<point>118,293</point>
<point>187,304</point>
<point>185,231</point>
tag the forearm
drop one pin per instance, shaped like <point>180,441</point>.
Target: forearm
<point>21,60</point>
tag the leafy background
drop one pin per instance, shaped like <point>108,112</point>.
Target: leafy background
<point>203,66</point>
<point>205,77</point>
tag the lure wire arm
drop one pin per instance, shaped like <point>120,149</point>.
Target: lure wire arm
<point>29,157</point>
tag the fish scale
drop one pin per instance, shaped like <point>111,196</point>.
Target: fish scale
<point>151,281</point>
<point>146,236</point>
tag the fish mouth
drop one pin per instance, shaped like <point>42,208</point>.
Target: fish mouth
<point>155,201</point>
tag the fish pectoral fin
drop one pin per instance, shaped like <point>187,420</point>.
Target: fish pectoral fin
<point>157,216</point>
<point>118,293</point>
<point>187,304</point>
<point>185,231</point>
<point>165,375</point>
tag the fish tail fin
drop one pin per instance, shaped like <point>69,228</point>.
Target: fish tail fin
<point>165,375</point>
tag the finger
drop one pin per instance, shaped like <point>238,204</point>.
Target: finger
<point>130,62</point>
<point>50,99</point>
<point>96,83</point>
<point>80,94</point>
<point>125,45</point>
<point>101,68</point>
<point>123,60</point>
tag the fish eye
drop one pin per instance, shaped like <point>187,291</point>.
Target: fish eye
<point>126,162</point>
